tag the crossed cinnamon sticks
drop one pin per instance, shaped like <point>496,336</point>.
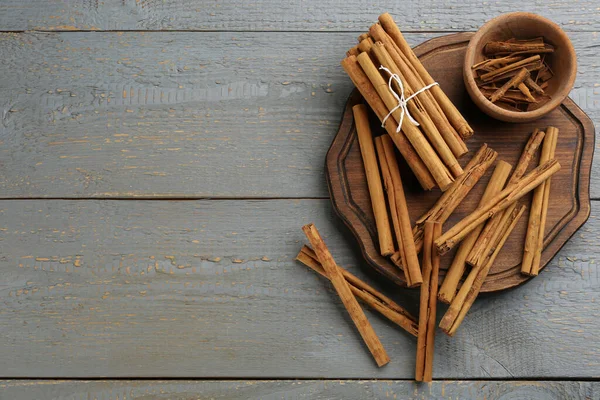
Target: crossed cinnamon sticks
<point>369,295</point>
<point>335,275</point>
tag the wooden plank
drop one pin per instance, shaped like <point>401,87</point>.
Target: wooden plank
<point>276,15</point>
<point>289,390</point>
<point>183,114</point>
<point>109,288</point>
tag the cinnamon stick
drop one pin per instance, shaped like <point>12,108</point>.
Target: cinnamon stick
<point>492,48</point>
<point>369,295</point>
<point>510,95</point>
<point>367,151</point>
<point>428,304</point>
<point>480,250</point>
<point>534,240</point>
<point>418,112</point>
<point>472,286</point>
<point>535,268</point>
<point>353,51</point>
<point>451,112</point>
<point>362,37</point>
<point>525,90</point>
<point>452,198</point>
<point>534,86</point>
<point>365,44</point>
<point>406,244</point>
<point>458,266</point>
<point>490,62</point>
<point>438,170</point>
<point>501,201</point>
<point>388,187</point>
<point>366,89</point>
<point>513,82</point>
<point>532,66</point>
<point>343,290</point>
<point>510,67</point>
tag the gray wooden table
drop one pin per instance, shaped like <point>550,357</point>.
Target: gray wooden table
<point>157,160</point>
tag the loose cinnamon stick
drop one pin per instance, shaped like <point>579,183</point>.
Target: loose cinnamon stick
<point>438,170</point>
<point>410,259</point>
<point>366,89</point>
<point>418,112</point>
<point>510,96</point>
<point>388,187</point>
<point>513,82</point>
<point>369,295</point>
<point>492,48</point>
<point>535,268</point>
<point>457,120</point>
<point>532,66</point>
<point>472,286</point>
<point>452,198</point>
<point>367,150</point>
<point>534,240</point>
<point>510,67</point>
<point>547,49</point>
<point>458,266</point>
<point>480,250</point>
<point>490,62</point>
<point>343,290</point>
<point>428,304</point>
<point>501,201</point>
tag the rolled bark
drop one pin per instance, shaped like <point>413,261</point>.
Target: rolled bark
<point>367,151</point>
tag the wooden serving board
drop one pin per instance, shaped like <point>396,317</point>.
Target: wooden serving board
<point>569,204</point>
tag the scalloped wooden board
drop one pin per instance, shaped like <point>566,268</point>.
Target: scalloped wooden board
<point>569,204</point>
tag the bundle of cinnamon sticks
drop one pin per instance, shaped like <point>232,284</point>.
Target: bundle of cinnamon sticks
<point>420,119</point>
<point>514,73</point>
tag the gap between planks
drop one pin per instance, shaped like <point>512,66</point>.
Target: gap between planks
<point>276,379</point>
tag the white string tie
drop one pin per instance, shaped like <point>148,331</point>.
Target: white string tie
<point>402,100</point>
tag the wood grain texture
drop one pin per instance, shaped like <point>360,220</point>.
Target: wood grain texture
<point>184,114</point>
<point>290,390</point>
<point>570,203</point>
<point>209,289</point>
<point>278,15</point>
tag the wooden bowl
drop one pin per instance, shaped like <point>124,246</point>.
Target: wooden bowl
<point>522,25</point>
